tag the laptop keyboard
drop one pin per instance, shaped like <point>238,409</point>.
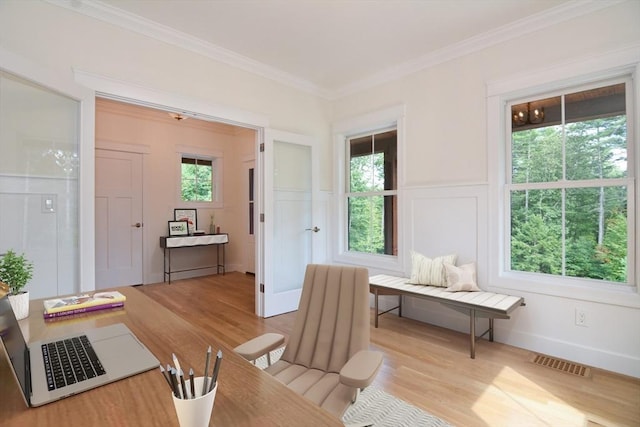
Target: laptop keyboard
<point>70,361</point>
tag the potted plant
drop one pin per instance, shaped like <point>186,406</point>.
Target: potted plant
<point>15,272</point>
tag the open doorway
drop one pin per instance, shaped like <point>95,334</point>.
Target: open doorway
<point>160,139</point>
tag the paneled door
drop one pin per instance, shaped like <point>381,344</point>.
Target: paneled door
<point>118,218</point>
<point>288,226</point>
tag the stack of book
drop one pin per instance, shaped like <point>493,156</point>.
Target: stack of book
<point>67,306</point>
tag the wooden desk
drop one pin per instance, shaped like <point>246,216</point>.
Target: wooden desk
<point>246,396</point>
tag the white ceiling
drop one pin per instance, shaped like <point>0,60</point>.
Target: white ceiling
<point>333,47</point>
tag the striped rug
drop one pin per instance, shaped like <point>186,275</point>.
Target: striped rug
<point>377,408</point>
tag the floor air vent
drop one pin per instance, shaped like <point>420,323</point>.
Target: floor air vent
<point>562,365</point>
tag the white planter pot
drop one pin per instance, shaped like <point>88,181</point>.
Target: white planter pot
<point>20,304</point>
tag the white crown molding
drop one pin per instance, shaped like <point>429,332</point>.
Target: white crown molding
<point>122,19</point>
<point>539,21</point>
<point>135,23</point>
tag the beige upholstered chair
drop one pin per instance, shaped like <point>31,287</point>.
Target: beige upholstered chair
<point>327,358</point>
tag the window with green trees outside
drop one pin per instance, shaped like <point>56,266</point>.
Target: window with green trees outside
<point>372,193</point>
<point>196,179</point>
<point>569,186</point>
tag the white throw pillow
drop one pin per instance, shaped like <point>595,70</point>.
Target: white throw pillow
<point>427,271</point>
<point>462,278</point>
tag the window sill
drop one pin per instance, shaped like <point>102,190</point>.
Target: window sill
<point>387,263</point>
<point>200,205</point>
<point>576,289</point>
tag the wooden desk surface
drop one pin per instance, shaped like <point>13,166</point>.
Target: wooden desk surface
<point>246,396</point>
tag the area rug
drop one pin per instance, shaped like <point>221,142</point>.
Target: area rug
<point>377,408</point>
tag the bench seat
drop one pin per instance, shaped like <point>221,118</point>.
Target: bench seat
<point>482,304</point>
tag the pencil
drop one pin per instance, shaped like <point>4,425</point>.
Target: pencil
<point>216,369</point>
<point>165,374</point>
<point>206,371</point>
<point>192,384</point>
<point>182,386</point>
<point>176,363</point>
<point>174,383</point>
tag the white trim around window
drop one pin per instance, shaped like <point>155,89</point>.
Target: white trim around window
<point>342,130</point>
<point>623,62</point>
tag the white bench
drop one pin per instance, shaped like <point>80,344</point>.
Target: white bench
<point>473,304</point>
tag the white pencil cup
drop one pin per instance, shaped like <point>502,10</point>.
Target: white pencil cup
<point>195,412</point>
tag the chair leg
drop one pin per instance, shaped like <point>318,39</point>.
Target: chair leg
<point>268,358</point>
<point>355,395</point>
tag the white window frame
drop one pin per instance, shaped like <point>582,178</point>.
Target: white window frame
<point>619,64</point>
<point>217,162</point>
<point>392,117</point>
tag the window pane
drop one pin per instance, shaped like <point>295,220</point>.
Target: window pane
<point>536,231</point>
<point>196,180</point>
<point>596,133</point>
<point>373,162</point>
<point>372,221</point>
<point>386,143</point>
<point>596,233</point>
<point>536,155</point>
<point>597,149</point>
<point>361,164</point>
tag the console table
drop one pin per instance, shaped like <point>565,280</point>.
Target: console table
<point>170,243</point>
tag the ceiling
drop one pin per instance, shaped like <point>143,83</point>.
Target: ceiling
<point>334,47</point>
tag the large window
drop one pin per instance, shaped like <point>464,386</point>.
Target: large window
<point>371,194</point>
<point>569,188</point>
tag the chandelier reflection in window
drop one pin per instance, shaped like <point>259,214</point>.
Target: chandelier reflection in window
<point>521,116</point>
<point>65,159</point>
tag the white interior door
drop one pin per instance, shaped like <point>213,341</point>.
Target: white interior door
<point>288,176</point>
<point>118,218</point>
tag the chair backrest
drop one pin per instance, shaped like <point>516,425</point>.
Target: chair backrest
<point>332,323</point>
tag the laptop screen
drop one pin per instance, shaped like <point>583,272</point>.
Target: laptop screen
<point>15,344</point>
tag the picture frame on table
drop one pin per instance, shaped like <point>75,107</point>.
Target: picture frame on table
<point>178,228</point>
<point>189,215</point>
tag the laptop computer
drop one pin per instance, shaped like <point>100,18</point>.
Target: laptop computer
<point>43,378</point>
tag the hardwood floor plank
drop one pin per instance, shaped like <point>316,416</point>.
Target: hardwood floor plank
<point>429,366</point>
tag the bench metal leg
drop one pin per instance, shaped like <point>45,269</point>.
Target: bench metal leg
<point>375,293</point>
<point>472,332</point>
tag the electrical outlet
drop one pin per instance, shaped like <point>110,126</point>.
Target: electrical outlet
<point>581,317</point>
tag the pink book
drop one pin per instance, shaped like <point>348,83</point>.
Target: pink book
<point>83,309</point>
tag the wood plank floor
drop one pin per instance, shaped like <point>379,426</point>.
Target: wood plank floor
<point>430,366</point>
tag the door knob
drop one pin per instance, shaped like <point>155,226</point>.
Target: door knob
<point>314,229</point>
<point>137,225</point>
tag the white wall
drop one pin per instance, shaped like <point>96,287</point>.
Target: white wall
<point>446,156</point>
<point>446,137</point>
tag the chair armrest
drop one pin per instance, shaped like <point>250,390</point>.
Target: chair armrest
<point>361,369</point>
<point>260,345</point>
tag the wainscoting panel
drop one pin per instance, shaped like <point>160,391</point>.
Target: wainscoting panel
<point>441,221</point>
